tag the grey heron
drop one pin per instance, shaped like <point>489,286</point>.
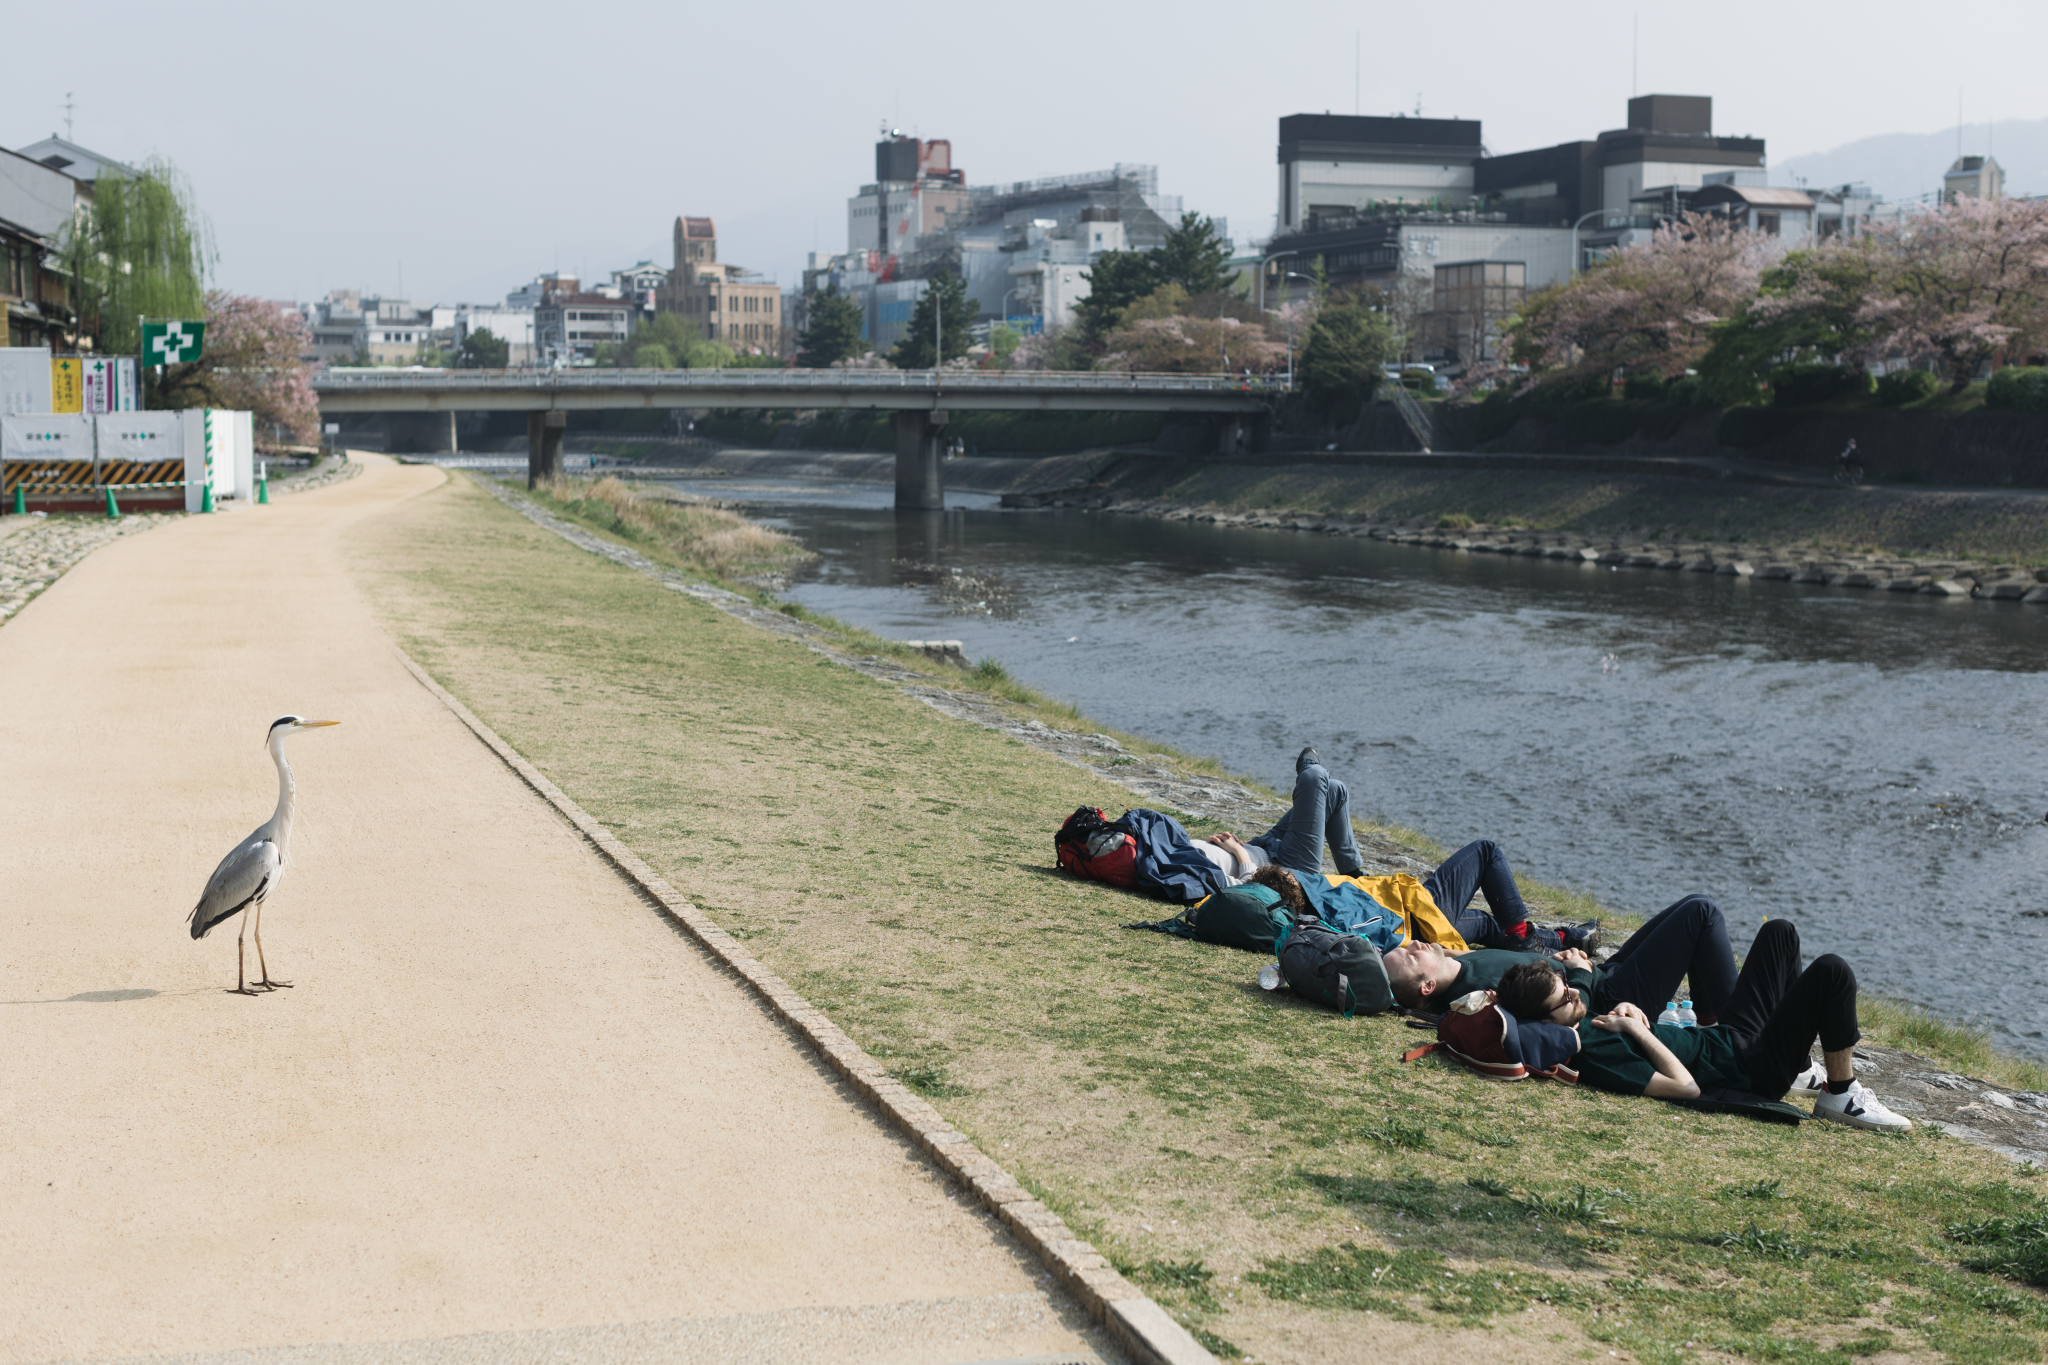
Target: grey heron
<point>252,871</point>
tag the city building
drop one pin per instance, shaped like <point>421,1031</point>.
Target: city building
<point>1419,209</point>
<point>80,163</point>
<point>639,284</point>
<point>1973,177</point>
<point>739,307</point>
<point>916,194</point>
<point>1334,165</point>
<point>349,327</point>
<point>513,326</point>
<point>1023,249</point>
<point>1788,214</point>
<point>36,202</point>
<point>569,326</point>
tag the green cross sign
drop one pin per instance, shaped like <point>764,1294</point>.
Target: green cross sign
<point>172,342</point>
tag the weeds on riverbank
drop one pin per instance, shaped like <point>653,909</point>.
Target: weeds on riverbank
<point>708,540</point>
<point>1272,1172</point>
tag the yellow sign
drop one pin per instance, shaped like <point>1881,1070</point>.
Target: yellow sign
<point>67,384</point>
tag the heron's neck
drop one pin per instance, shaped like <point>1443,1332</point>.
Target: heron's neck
<point>287,793</point>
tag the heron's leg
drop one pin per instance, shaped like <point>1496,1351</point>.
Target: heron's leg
<point>260,963</point>
<point>241,962</point>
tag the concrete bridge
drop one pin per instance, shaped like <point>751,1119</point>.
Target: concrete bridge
<point>920,400</point>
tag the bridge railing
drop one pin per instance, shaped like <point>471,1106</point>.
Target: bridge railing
<point>1093,381</point>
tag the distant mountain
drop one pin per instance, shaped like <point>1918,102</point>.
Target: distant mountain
<point>1908,165</point>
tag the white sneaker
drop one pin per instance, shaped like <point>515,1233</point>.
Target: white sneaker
<point>1812,1081</point>
<point>1858,1108</point>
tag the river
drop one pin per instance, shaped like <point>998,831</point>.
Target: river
<point>1868,764</point>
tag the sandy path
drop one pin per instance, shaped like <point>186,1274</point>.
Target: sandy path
<point>504,1102</point>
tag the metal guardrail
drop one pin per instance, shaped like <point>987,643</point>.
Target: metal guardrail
<point>1099,381</point>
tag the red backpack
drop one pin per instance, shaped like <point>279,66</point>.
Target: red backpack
<point>1492,1042</point>
<point>1090,845</point>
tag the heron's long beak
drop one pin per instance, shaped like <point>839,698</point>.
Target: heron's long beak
<point>316,724</point>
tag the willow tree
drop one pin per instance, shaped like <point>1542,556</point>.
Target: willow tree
<point>139,250</point>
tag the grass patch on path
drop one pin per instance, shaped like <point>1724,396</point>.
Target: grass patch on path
<point>1271,1172</point>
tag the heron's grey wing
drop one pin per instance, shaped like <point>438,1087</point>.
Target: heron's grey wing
<point>241,877</point>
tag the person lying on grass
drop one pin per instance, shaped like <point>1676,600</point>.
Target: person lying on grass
<point>1438,909</point>
<point>1687,939</point>
<point>1762,1043</point>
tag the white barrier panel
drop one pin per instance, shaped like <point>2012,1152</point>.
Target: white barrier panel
<point>219,453</point>
<point>46,436</point>
<point>24,380</point>
<point>198,471</point>
<point>140,436</point>
<point>242,431</point>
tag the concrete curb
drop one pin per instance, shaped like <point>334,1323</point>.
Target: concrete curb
<point>1140,1325</point>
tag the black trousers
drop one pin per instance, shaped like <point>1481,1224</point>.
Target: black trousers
<point>1688,939</point>
<point>1777,1010</point>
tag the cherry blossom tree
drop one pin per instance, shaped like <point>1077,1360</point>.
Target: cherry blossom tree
<point>1648,308</point>
<point>251,363</point>
<point>1959,286</point>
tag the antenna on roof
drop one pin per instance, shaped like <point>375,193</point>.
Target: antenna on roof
<point>1357,65</point>
<point>1635,51</point>
<point>67,116</point>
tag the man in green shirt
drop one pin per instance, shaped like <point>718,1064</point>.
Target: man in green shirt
<point>1763,1043</point>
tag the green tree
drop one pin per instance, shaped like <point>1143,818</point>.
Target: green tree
<point>1195,258</point>
<point>660,342</point>
<point>1117,280</point>
<point>1810,306</point>
<point>1346,353</point>
<point>833,333</point>
<point>1003,341</point>
<point>141,250</point>
<point>483,349</point>
<point>704,354</point>
<point>945,302</point>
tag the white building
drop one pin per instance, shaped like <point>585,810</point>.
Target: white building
<point>513,326</point>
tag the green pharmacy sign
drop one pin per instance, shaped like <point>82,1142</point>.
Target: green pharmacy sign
<point>172,342</point>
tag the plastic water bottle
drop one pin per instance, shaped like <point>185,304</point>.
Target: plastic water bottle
<point>1670,1014</point>
<point>1687,1018</point>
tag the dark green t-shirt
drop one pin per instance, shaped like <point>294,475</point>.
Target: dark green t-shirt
<point>1482,968</point>
<point>1610,1061</point>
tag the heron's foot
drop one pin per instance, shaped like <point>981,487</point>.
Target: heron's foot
<point>268,984</point>
<point>243,990</point>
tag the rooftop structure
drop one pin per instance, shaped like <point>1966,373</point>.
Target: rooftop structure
<point>1973,177</point>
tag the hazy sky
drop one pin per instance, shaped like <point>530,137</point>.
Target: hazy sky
<point>473,146</point>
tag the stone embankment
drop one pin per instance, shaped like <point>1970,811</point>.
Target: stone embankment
<point>1789,563</point>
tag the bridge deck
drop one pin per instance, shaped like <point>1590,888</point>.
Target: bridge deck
<point>885,390</point>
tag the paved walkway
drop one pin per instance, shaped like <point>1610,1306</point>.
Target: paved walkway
<point>506,1113</point>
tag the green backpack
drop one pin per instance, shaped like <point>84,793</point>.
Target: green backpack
<point>1248,917</point>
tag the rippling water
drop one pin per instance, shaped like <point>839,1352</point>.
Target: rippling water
<point>1869,764</point>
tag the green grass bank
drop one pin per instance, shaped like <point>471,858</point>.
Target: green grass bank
<point>1271,1172</point>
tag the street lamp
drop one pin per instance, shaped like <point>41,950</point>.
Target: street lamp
<point>1596,213</point>
<point>1292,275</point>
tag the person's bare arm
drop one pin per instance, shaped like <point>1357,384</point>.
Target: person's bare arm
<point>1672,1081</point>
<point>1234,846</point>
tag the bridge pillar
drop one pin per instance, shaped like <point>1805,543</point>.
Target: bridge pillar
<point>544,431</point>
<point>920,482</point>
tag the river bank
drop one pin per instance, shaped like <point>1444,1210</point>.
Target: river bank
<point>1260,1166</point>
<point>1894,537</point>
